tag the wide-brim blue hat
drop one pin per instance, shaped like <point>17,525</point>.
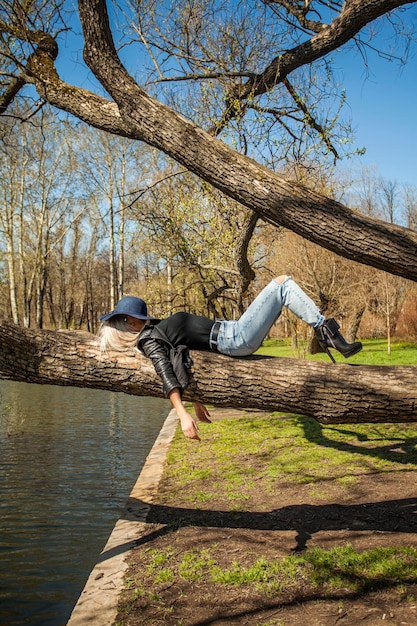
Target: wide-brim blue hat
<point>129,305</point>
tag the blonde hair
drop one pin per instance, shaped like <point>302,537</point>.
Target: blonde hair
<point>115,334</point>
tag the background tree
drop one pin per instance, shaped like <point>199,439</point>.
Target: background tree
<point>115,171</point>
<point>40,202</point>
<point>410,206</point>
<point>197,234</point>
<point>13,167</point>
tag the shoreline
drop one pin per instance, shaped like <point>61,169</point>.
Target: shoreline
<point>97,604</point>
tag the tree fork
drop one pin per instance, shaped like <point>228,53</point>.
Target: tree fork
<point>339,393</point>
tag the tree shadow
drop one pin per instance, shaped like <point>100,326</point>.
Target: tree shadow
<point>401,450</point>
<point>305,519</point>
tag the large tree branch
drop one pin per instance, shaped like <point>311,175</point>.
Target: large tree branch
<point>134,114</point>
<point>303,211</point>
<point>15,85</point>
<point>329,393</point>
<point>247,274</point>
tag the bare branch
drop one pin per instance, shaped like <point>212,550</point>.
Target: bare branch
<point>355,15</point>
<point>11,92</point>
<point>309,119</point>
<point>299,11</point>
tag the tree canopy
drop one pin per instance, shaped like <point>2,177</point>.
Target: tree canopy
<point>246,85</point>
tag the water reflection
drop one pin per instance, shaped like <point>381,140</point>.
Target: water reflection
<point>68,460</point>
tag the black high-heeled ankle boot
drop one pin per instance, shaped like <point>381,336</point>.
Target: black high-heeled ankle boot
<point>328,336</point>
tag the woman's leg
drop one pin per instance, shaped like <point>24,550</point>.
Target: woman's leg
<point>244,336</point>
<point>298,302</point>
<point>327,331</point>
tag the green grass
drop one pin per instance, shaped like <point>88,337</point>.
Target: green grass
<point>339,569</point>
<point>361,571</point>
<point>374,352</point>
<point>285,448</point>
<point>335,569</point>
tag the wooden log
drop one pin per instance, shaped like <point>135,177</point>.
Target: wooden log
<point>331,393</point>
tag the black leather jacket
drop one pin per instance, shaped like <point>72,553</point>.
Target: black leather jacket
<point>170,363</point>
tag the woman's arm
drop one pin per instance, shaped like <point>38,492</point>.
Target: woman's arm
<point>156,351</point>
<point>188,425</point>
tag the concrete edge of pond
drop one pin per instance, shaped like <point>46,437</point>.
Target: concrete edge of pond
<point>97,604</point>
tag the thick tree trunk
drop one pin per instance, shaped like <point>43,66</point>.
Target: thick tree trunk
<point>330,393</point>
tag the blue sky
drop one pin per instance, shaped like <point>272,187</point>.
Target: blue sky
<point>382,103</point>
<point>383,109</point>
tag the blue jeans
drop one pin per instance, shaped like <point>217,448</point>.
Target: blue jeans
<point>244,336</point>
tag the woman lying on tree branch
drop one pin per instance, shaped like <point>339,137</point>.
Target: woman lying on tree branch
<point>167,341</point>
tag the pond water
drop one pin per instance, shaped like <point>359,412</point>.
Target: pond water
<point>69,458</point>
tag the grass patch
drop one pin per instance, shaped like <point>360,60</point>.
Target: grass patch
<point>284,448</point>
<point>194,565</point>
<point>339,570</point>
<point>344,567</point>
<point>375,352</point>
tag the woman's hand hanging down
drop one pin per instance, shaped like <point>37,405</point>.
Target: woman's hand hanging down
<point>188,425</point>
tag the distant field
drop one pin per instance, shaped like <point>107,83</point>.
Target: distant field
<point>375,352</point>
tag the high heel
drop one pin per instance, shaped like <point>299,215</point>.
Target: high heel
<point>328,336</point>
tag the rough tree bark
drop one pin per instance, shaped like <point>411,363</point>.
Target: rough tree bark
<point>330,393</point>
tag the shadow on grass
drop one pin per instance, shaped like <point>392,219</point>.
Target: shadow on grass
<point>304,519</point>
<point>400,449</point>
